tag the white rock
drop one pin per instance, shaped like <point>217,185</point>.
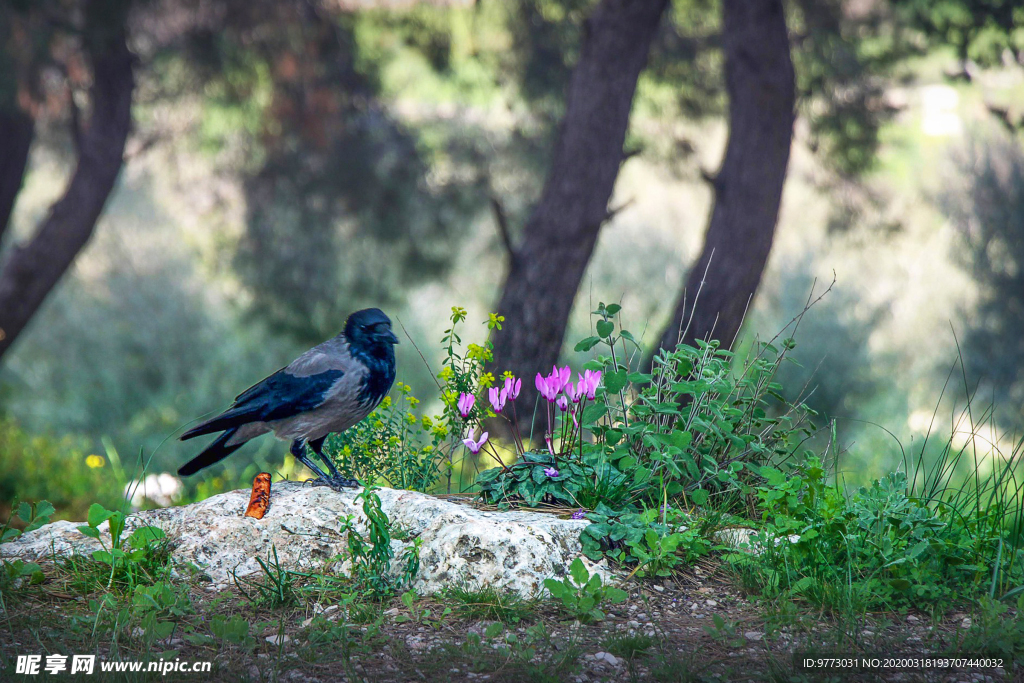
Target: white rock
<point>512,551</point>
<point>966,623</point>
<point>753,635</point>
<point>278,640</point>
<point>607,657</point>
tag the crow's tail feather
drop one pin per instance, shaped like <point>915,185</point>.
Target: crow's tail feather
<point>215,452</point>
<point>229,419</point>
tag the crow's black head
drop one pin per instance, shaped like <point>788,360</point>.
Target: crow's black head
<point>369,330</point>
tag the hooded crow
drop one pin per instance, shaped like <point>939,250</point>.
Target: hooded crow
<point>327,389</point>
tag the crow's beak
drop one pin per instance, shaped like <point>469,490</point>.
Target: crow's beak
<point>390,337</point>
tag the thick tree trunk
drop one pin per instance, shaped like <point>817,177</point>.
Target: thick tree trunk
<point>546,269</point>
<point>748,188</point>
<point>15,142</point>
<point>30,270</point>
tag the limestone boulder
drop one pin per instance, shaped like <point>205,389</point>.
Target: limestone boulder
<point>459,544</point>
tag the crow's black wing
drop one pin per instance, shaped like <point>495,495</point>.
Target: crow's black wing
<point>279,396</point>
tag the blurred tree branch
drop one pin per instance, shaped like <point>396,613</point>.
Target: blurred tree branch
<point>29,271</point>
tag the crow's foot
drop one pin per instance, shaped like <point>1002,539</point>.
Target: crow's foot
<point>337,483</point>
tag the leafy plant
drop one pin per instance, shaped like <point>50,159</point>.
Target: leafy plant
<point>147,550</point>
<point>424,616</point>
<point>160,608</point>
<point>725,632</point>
<point>371,560</point>
<point>391,445</point>
<point>32,516</point>
<point>581,593</point>
<point>233,629</point>
<point>653,541</point>
<point>275,589</point>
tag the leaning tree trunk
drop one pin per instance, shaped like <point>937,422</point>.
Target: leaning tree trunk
<point>15,142</point>
<point>748,188</point>
<point>31,270</point>
<point>546,268</point>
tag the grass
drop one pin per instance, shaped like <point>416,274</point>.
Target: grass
<point>490,604</point>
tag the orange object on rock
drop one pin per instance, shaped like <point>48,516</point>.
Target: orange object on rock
<point>259,501</point>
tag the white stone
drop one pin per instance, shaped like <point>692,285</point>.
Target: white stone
<point>278,640</point>
<point>512,551</point>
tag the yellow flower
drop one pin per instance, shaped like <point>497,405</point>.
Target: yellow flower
<point>458,314</point>
<point>477,352</point>
<point>95,461</point>
<point>486,380</point>
<point>507,375</point>
<point>413,401</point>
<point>494,321</point>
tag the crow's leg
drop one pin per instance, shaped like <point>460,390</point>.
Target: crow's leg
<point>298,449</point>
<point>336,481</point>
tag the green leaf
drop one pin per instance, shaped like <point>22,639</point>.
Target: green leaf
<point>605,328</point>
<point>615,381</point>
<point>97,515</point>
<point>89,531</point>
<point>699,496</point>
<point>612,309</point>
<point>494,629</point>
<point>594,412</point>
<point>586,344</point>
<point>579,572</point>
<point>615,595</point>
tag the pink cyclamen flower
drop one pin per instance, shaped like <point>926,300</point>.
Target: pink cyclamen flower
<point>475,446</point>
<point>562,403</point>
<point>465,404</point>
<point>512,387</point>
<point>550,472</point>
<point>576,391</point>
<point>547,388</point>
<point>561,376</point>
<point>497,397</point>
<point>591,380</point>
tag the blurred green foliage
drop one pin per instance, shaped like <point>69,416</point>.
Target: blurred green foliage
<point>986,202</point>
<point>61,470</point>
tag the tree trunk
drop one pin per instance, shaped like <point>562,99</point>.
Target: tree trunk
<point>546,269</point>
<point>31,270</point>
<point>748,188</point>
<point>18,128</point>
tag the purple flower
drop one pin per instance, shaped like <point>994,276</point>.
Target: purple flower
<point>512,387</point>
<point>475,446</point>
<point>561,376</point>
<point>497,397</point>
<point>550,472</point>
<point>562,403</point>
<point>465,404</point>
<point>591,380</point>
<point>579,514</point>
<point>547,388</point>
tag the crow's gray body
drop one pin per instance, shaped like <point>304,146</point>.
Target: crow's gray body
<point>327,389</point>
<point>337,412</point>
